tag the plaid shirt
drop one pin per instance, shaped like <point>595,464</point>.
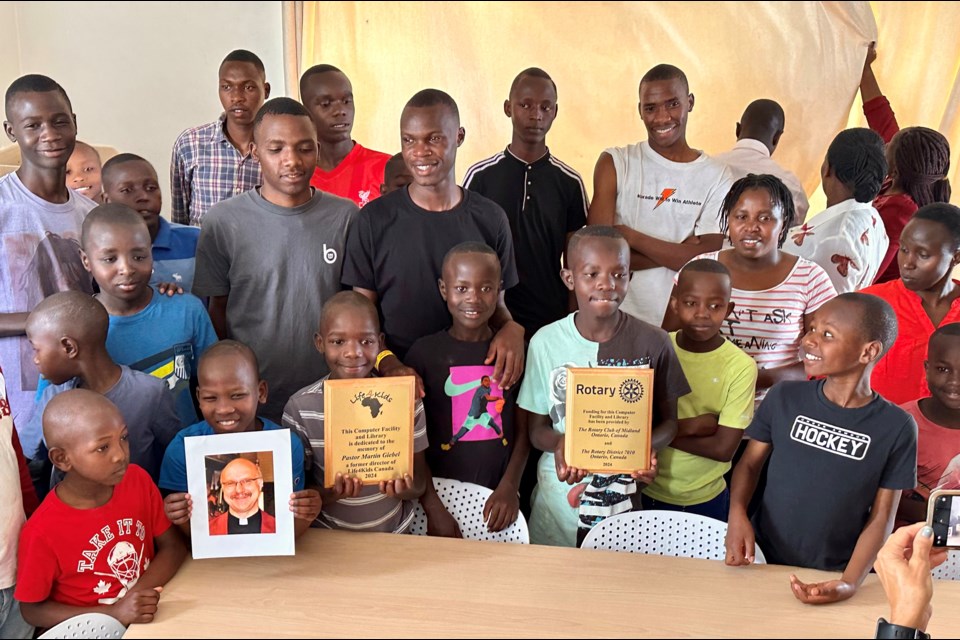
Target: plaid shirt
<point>206,169</point>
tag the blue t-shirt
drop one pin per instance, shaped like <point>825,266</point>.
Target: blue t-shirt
<point>174,254</point>
<point>165,339</point>
<point>173,471</point>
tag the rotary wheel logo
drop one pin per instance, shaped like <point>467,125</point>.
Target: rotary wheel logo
<point>631,390</point>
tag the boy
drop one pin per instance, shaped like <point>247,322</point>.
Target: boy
<point>395,175</point>
<point>100,541</point>
<point>41,217</point>
<point>714,414</point>
<point>130,180</point>
<point>84,173</point>
<point>839,456</point>
<point>269,258</point>
<point>344,167</point>
<point>938,423</point>
<point>12,507</point>
<point>213,162</point>
<point>543,198</point>
<point>598,335</point>
<point>470,419</point>
<point>68,332</point>
<point>149,332</point>
<point>664,195</point>
<point>230,391</point>
<point>397,245</point>
<point>349,338</point>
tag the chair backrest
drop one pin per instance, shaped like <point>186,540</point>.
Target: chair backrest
<point>87,625</point>
<point>665,533</point>
<point>464,501</point>
<point>949,570</point>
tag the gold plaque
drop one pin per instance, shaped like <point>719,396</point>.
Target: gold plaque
<point>608,419</point>
<point>368,428</point>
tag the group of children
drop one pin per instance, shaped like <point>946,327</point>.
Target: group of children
<point>209,331</point>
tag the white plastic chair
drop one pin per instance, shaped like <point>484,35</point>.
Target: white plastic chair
<point>87,625</point>
<point>665,533</point>
<point>464,501</point>
<point>949,570</point>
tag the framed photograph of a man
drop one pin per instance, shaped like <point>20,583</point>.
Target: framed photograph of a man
<point>235,480</point>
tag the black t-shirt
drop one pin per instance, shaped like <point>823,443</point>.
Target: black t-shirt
<point>457,399</point>
<point>825,468</point>
<point>544,201</point>
<point>396,249</point>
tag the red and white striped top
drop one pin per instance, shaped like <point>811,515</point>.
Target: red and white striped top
<point>768,324</point>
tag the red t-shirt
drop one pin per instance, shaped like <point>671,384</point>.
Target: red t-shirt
<point>358,177</point>
<point>90,557</point>
<point>899,376</point>
<point>937,448</point>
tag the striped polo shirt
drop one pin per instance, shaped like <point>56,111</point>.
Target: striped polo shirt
<point>371,510</point>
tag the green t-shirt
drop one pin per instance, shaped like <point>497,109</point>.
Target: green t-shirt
<point>723,383</point>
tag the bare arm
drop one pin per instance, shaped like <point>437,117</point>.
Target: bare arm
<point>869,87</point>
<point>766,378</point>
<point>603,207</point>
<point>720,446</point>
<point>741,541</point>
<point>171,552</point>
<point>543,437</point>
<point>878,527</point>
<point>13,324</point>
<point>912,508</point>
<point>672,255</point>
<point>507,352</point>
<point>218,316</point>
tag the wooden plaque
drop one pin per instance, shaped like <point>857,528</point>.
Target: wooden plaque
<point>608,419</point>
<point>368,428</point>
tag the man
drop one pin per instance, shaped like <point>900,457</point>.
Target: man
<point>758,134</point>
<point>664,196</point>
<point>242,485</point>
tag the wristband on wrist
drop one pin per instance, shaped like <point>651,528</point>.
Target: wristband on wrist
<point>888,630</point>
<point>380,356</point>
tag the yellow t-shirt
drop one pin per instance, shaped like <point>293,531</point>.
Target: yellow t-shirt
<point>723,383</point>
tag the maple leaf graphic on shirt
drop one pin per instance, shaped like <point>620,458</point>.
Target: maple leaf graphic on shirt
<point>102,587</point>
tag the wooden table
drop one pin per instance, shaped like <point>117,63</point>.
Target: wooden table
<point>369,585</point>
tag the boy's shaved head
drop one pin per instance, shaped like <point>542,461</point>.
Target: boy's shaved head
<point>229,349</point>
<point>79,144</point>
<point>242,55</point>
<point>591,231</point>
<point>113,214</point>
<point>875,317</point>
<point>665,72</point>
<point>74,314</point>
<point>32,83</point>
<point>532,72</point>
<point>689,271</point>
<point>349,299</point>
<point>111,166</point>
<point>432,98</point>
<point>469,247</point>
<point>69,414</point>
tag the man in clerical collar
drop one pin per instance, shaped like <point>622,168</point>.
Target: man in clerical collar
<point>242,484</point>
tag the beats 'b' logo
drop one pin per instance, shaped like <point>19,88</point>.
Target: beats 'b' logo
<point>329,254</point>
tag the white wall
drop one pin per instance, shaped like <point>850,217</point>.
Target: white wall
<point>139,73</point>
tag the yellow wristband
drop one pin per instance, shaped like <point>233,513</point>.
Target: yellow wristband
<point>380,356</point>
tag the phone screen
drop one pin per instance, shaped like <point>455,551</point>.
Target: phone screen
<point>946,521</point>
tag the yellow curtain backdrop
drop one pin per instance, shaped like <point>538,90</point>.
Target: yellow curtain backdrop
<point>806,55</point>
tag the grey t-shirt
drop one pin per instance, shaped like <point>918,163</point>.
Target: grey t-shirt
<point>147,408</point>
<point>827,464</point>
<point>278,266</point>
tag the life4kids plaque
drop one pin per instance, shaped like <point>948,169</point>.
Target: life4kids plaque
<point>608,419</point>
<point>368,428</point>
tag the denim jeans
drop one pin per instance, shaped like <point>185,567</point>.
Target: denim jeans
<point>12,624</point>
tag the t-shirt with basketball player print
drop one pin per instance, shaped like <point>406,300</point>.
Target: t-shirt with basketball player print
<point>90,557</point>
<point>460,407</point>
<point>669,201</point>
<point>358,176</point>
<point>826,465</point>
<point>554,520</point>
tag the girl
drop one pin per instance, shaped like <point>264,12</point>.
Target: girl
<point>918,161</point>
<point>774,292</point>
<point>847,239</point>
<point>925,297</point>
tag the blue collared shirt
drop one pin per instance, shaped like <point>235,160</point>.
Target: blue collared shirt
<point>174,254</point>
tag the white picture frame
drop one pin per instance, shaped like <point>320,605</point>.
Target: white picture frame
<point>203,455</point>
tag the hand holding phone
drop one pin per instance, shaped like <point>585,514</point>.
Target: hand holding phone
<point>943,515</point>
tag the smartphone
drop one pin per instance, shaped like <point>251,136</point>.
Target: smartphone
<point>943,514</point>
